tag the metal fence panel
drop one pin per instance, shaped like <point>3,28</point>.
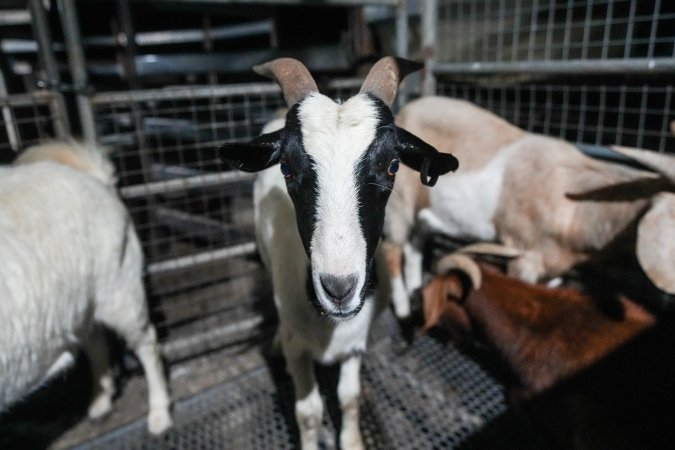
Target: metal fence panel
<point>25,119</point>
<point>549,30</point>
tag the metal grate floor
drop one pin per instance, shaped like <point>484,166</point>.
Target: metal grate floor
<point>422,396</point>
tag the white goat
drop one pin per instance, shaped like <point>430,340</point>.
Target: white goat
<point>537,194</point>
<point>70,261</point>
<point>319,221</point>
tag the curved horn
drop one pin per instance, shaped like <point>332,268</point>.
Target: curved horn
<point>658,162</point>
<point>456,261</point>
<point>292,75</point>
<point>490,248</point>
<point>384,77</point>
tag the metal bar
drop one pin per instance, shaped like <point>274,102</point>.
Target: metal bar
<point>247,248</point>
<point>42,33</point>
<point>17,100</point>
<point>193,223</point>
<point>129,43</point>
<point>8,118</point>
<point>184,93</point>
<point>298,2</point>
<point>182,184</point>
<point>71,31</point>
<point>402,43</point>
<point>187,36</point>
<point>563,67</point>
<point>429,45</point>
<point>196,92</point>
<point>402,29</point>
<point>174,350</point>
<point>14,17</point>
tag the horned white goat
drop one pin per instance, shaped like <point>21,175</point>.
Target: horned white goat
<point>537,194</point>
<point>70,261</point>
<point>319,221</point>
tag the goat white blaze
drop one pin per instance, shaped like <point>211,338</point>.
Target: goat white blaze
<point>337,136</point>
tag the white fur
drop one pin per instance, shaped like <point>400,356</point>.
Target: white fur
<point>69,258</point>
<point>305,336</point>
<point>465,203</point>
<point>336,136</point>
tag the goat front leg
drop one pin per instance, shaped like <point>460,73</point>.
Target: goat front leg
<point>349,392</point>
<point>308,403</point>
<point>412,269</point>
<point>399,295</point>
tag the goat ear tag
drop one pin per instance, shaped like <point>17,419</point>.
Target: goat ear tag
<point>425,178</point>
<point>258,154</point>
<point>420,156</point>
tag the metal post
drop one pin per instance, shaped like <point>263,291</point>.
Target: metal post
<point>8,117</point>
<point>71,32</point>
<point>429,45</point>
<point>42,34</point>
<point>129,43</point>
<point>402,42</point>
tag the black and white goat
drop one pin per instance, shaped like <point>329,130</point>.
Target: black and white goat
<point>319,220</point>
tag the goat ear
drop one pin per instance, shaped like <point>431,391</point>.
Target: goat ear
<point>258,154</point>
<point>420,156</point>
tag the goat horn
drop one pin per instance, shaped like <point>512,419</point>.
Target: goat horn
<point>457,261</point>
<point>295,80</point>
<point>658,162</point>
<point>490,248</point>
<point>384,77</point>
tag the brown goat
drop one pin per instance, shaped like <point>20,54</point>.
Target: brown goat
<point>543,334</point>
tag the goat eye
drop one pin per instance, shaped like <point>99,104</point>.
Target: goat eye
<point>285,169</point>
<point>393,167</point>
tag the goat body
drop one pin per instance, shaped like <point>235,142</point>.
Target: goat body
<point>536,194</point>
<point>70,261</point>
<point>543,334</point>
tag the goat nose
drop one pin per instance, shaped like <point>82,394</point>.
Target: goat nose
<point>337,287</point>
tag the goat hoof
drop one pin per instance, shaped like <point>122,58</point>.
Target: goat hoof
<point>353,441</point>
<point>100,407</point>
<point>159,421</point>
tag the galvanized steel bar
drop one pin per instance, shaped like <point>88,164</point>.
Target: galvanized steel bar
<point>71,31</point>
<point>182,184</point>
<point>429,45</point>
<point>402,44</point>
<point>8,117</point>
<point>184,93</point>
<point>246,248</point>
<point>42,34</point>
<point>617,66</point>
<point>196,92</point>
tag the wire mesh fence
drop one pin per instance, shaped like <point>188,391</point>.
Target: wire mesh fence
<point>581,71</point>
<point>25,119</point>
<point>629,115</point>
<point>528,30</point>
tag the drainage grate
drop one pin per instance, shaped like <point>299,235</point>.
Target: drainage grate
<point>423,396</point>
